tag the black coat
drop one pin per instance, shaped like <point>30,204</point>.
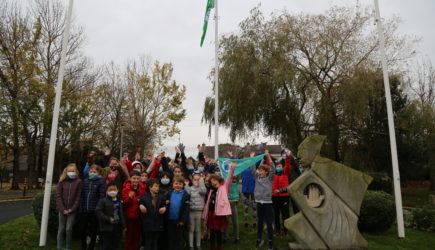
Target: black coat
<point>104,212</point>
<point>152,221</point>
<point>185,207</point>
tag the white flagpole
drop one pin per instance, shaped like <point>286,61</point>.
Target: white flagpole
<point>54,127</point>
<point>216,83</point>
<point>396,173</point>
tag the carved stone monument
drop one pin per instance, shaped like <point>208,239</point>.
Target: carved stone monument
<point>329,197</point>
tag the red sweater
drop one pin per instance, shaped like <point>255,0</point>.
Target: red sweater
<point>131,205</point>
<point>281,181</point>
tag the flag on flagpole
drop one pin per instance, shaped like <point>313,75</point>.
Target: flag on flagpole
<point>210,5</point>
<point>242,164</point>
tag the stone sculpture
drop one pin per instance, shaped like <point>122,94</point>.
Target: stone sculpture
<point>329,197</point>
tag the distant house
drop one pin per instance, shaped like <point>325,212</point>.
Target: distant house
<point>242,152</point>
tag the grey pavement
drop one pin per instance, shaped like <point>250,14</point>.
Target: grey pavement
<point>11,210</point>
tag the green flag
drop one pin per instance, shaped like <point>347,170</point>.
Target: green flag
<point>210,5</point>
<point>242,164</point>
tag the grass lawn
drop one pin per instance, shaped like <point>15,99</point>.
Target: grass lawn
<point>23,233</point>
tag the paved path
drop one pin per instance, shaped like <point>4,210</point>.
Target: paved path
<point>11,210</point>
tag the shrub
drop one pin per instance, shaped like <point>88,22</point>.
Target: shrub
<point>381,182</point>
<point>53,214</point>
<point>424,219</point>
<point>53,217</point>
<point>377,212</point>
<point>408,218</point>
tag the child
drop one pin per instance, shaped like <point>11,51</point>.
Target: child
<point>248,186</point>
<point>263,197</point>
<point>153,207</point>
<point>92,192</point>
<point>110,212</point>
<point>164,189</point>
<point>68,193</point>
<point>234,198</point>
<point>131,193</point>
<point>116,172</point>
<point>144,178</point>
<point>217,207</point>
<point>137,167</point>
<point>280,201</point>
<point>178,213</point>
<point>197,195</point>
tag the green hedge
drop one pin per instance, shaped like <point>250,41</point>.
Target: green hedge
<point>424,219</point>
<point>381,182</point>
<point>53,214</point>
<point>53,217</point>
<point>378,212</point>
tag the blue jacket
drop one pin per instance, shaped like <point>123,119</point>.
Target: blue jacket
<point>248,181</point>
<point>92,191</point>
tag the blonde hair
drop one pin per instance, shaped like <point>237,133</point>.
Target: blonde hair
<point>65,170</point>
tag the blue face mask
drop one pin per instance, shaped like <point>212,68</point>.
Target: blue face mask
<point>93,176</point>
<point>278,170</point>
<point>200,170</point>
<point>191,168</point>
<point>165,181</point>
<point>283,157</point>
<point>301,170</point>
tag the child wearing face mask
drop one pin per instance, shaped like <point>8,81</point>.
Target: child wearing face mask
<point>281,200</point>
<point>92,192</point>
<point>110,212</point>
<point>131,193</point>
<point>197,195</point>
<point>164,190</point>
<point>137,167</point>
<point>68,192</point>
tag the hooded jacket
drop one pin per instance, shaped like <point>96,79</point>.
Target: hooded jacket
<point>197,195</point>
<point>131,205</point>
<point>223,207</point>
<point>281,179</point>
<point>263,185</point>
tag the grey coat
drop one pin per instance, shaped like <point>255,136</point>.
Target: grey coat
<point>197,196</point>
<point>263,185</point>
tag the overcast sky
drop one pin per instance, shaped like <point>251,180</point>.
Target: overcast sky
<point>170,30</point>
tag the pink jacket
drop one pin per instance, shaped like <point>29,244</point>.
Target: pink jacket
<point>223,207</point>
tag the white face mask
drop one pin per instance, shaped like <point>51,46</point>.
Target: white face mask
<point>143,179</point>
<point>71,175</point>
<point>112,194</point>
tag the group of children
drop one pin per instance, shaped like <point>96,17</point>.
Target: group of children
<point>164,204</point>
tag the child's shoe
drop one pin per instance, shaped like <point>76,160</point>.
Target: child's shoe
<point>259,243</point>
<point>270,245</point>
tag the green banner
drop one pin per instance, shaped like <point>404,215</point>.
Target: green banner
<point>210,5</point>
<point>242,164</point>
